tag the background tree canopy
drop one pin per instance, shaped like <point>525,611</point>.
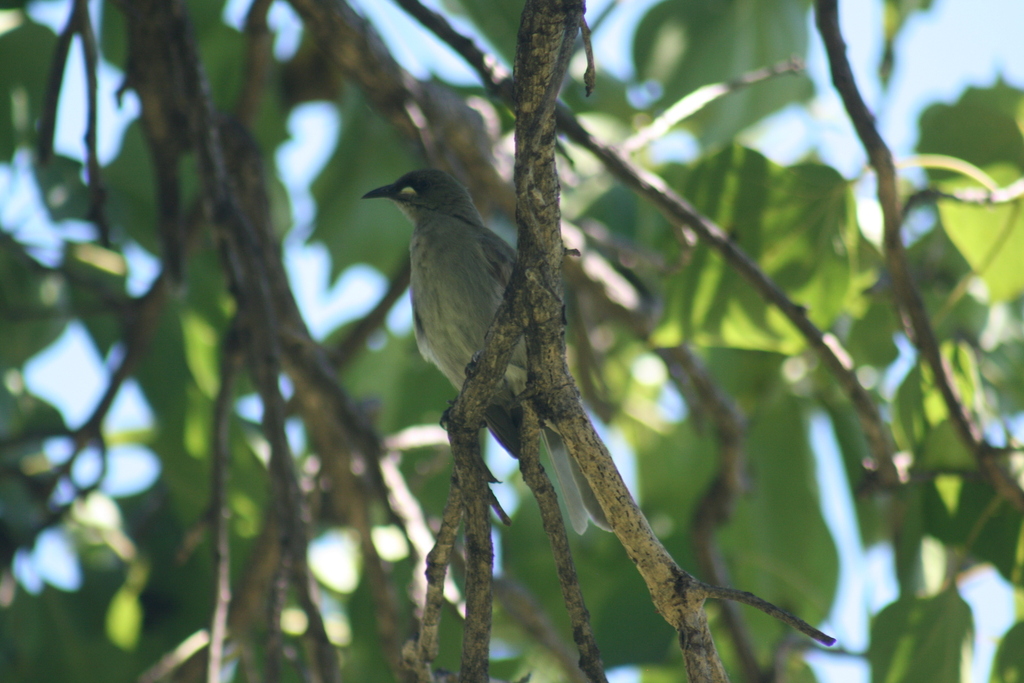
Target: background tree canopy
<point>806,360</point>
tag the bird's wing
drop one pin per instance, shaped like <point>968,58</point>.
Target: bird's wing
<point>499,255</point>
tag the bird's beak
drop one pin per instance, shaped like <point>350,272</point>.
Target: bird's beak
<point>387,191</point>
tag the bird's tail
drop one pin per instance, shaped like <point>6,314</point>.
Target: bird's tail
<point>579,498</point>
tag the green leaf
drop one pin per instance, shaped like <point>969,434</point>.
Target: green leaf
<point>798,570</point>
<point>794,222</point>
<point>131,195</point>
<point>922,640</point>
<point>29,46</point>
<point>967,514</point>
<point>64,194</point>
<point>201,347</point>
<point>222,49</point>
<point>684,45</point>
<point>124,619</point>
<point>113,36</point>
<point>24,413</point>
<point>1008,666</point>
<point>870,340</point>
<point>32,307</point>
<point>871,513</point>
<point>943,449</point>
<point>983,127</point>
<point>991,238</point>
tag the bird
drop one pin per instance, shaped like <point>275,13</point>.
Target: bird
<point>459,271</point>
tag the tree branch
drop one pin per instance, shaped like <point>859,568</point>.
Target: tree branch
<point>554,526</point>
<point>220,510</point>
<point>907,297</point>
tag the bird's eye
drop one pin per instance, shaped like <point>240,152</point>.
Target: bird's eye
<point>408,191</point>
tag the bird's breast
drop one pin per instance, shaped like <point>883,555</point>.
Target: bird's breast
<point>454,299</point>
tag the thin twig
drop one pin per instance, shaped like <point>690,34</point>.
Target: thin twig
<point>436,572</point>
<point>48,114</point>
<point>97,190</point>
<point>966,195</point>
<point>700,98</point>
<point>590,75</point>
<point>220,510</point>
<point>769,609</point>
<point>476,634</point>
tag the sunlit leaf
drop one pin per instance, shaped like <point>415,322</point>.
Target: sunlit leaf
<point>991,238</point>
<point>124,619</point>
<point>794,222</point>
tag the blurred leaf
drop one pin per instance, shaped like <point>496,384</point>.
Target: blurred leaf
<point>1008,666</point>
<point>943,449</point>
<point>684,45</point>
<point>24,414</point>
<point>960,511</point>
<point>991,238</point>
<point>798,571</point>
<point>30,46</point>
<point>674,472</point>
<point>206,16</point>
<point>113,35</point>
<point>222,50</point>
<point>910,424</point>
<point>1002,368</point>
<point>201,347</point>
<point>870,340</point>
<point>983,127</point>
<point>871,514</point>
<point>60,183</point>
<point>124,619</point>
<point>98,292</point>
<point>926,640</point>
<point>131,194</point>
<point>794,222</point>
<point>32,306</point>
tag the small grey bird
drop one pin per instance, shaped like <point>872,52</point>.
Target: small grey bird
<point>459,273</point>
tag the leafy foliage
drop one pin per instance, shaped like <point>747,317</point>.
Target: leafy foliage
<point>146,558</point>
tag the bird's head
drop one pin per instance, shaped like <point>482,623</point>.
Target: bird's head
<point>428,191</point>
